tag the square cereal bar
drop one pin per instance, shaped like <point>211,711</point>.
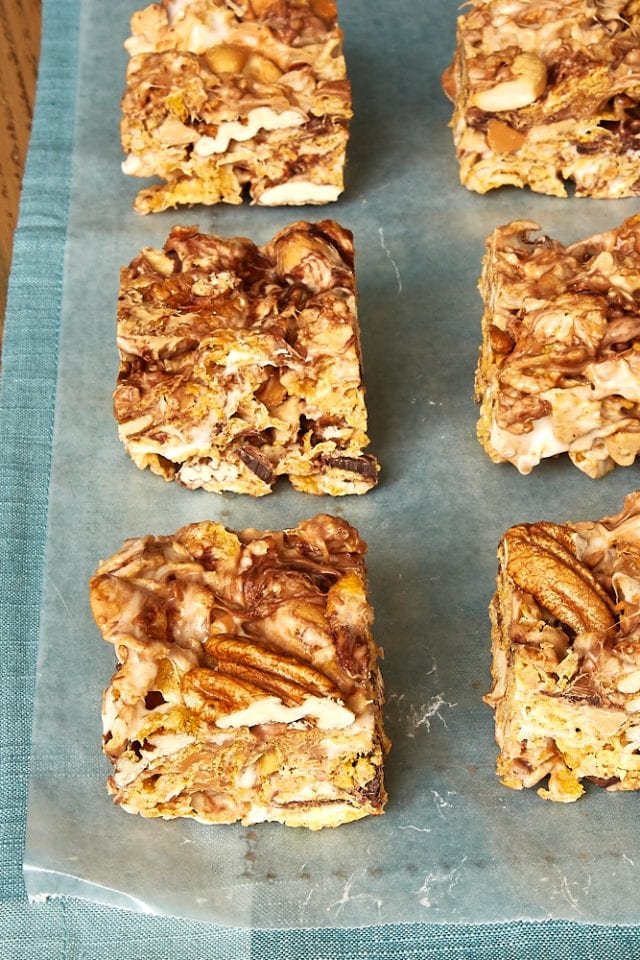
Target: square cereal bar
<point>547,92</point>
<point>566,654</point>
<point>559,367</point>
<point>247,685</point>
<point>240,363</point>
<point>227,97</point>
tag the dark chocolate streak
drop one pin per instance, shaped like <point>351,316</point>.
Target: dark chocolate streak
<point>363,466</point>
<point>256,462</point>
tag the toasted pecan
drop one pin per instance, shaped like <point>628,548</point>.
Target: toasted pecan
<point>276,672</point>
<point>541,561</point>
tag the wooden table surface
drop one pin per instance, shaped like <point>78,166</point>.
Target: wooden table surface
<point>19,50</point>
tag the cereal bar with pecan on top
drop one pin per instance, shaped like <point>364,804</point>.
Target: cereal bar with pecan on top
<point>566,654</point>
<point>247,685</point>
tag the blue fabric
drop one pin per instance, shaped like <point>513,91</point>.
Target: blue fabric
<point>75,929</point>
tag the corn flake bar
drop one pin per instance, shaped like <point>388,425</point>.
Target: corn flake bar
<point>545,92</point>
<point>247,686</point>
<point>559,367</point>
<point>239,364</point>
<point>225,99</point>
<point>566,654</point>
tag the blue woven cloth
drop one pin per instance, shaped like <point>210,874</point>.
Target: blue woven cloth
<point>77,929</point>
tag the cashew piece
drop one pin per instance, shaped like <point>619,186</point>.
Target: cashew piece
<point>227,58</point>
<point>530,80</point>
<point>262,69</point>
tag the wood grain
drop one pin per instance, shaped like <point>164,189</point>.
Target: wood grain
<point>19,51</point>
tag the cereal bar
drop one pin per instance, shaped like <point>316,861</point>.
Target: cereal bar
<point>546,92</point>
<point>232,98</point>
<point>559,367</point>
<point>566,654</point>
<point>247,685</point>
<point>239,363</point>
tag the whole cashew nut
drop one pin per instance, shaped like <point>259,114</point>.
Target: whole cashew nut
<point>529,82</point>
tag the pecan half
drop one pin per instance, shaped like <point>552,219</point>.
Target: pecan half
<point>248,679</point>
<point>541,560</point>
<point>212,694</point>
<point>285,676</point>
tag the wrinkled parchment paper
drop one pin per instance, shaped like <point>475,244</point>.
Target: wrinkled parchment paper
<point>454,845</point>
